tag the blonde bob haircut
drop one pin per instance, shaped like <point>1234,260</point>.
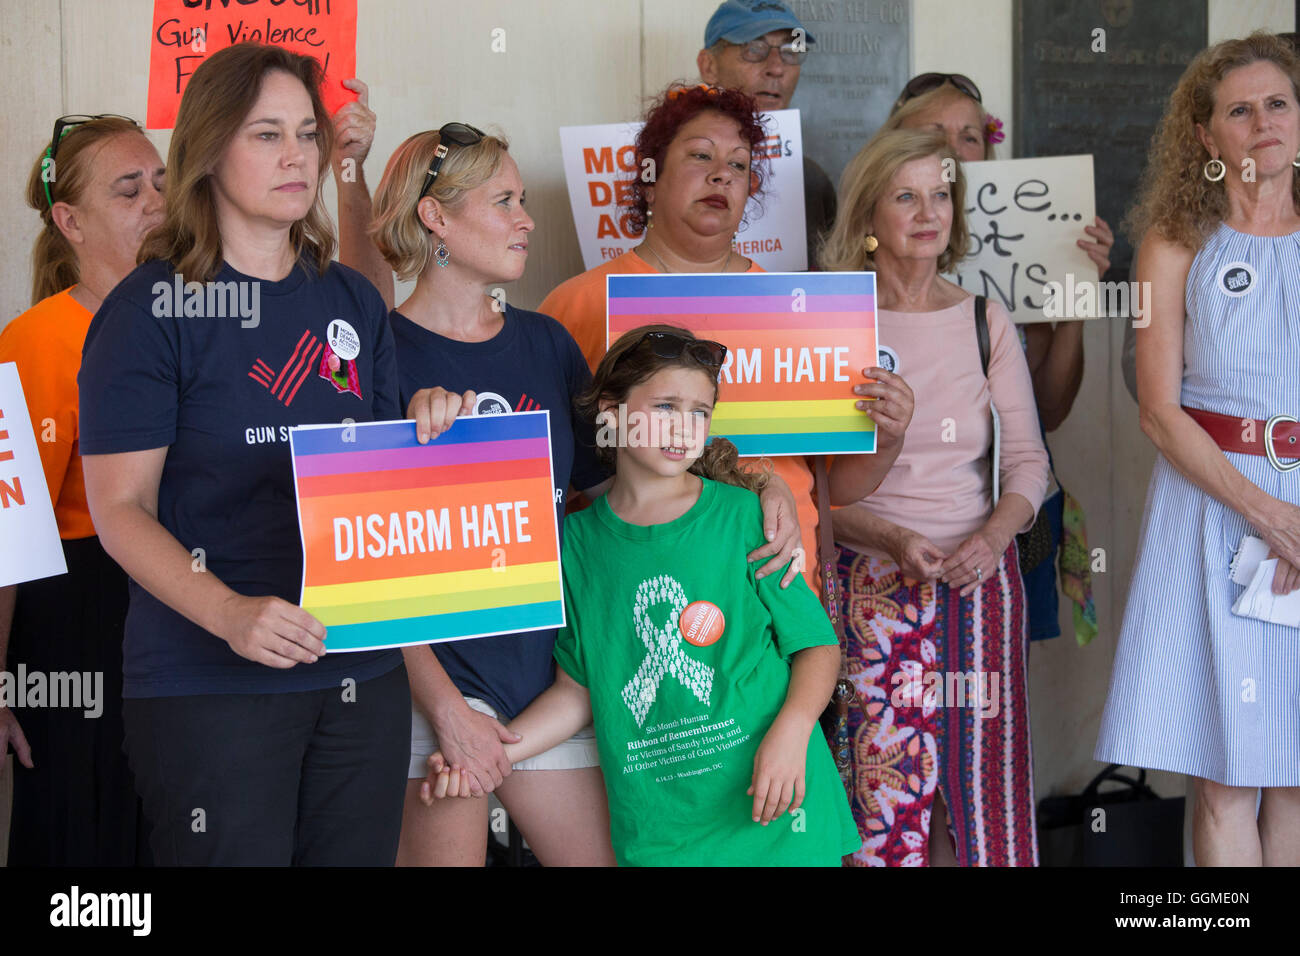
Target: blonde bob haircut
<point>402,239</point>
<point>864,182</point>
<point>1175,199</point>
<point>220,95</point>
<point>937,99</point>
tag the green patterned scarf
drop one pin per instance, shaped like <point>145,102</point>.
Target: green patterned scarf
<point>1076,571</point>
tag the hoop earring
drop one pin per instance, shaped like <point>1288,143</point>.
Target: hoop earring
<point>1296,161</point>
<point>1218,167</point>
<point>870,244</point>
<point>441,255</point>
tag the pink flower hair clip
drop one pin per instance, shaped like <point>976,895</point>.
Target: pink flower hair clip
<point>993,130</point>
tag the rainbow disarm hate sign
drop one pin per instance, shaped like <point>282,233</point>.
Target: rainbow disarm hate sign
<point>414,544</point>
<point>797,343</point>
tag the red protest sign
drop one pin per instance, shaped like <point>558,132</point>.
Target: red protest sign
<point>187,31</point>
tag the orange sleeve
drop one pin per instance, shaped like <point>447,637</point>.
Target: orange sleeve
<point>50,388</point>
<point>579,305</point>
<point>830,463</point>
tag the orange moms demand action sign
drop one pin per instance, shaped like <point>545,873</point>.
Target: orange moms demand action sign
<point>186,31</point>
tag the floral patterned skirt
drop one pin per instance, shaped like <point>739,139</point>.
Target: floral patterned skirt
<point>942,707</point>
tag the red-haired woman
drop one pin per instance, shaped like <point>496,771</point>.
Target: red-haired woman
<point>702,145</point>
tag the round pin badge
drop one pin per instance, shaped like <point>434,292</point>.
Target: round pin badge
<point>1236,279</point>
<point>490,403</point>
<point>343,339</point>
<point>701,623</point>
<point>887,358</point>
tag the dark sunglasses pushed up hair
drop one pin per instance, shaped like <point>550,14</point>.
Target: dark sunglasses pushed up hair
<point>670,345</point>
<point>460,134</point>
<point>62,127</point>
<point>919,85</point>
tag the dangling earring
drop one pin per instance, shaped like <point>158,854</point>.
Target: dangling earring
<point>870,244</point>
<point>1219,170</point>
<point>441,255</point>
<point>649,219</point>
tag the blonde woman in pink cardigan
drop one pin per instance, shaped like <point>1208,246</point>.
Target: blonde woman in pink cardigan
<point>933,598</point>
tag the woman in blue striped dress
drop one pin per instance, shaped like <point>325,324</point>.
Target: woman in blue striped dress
<point>1196,689</point>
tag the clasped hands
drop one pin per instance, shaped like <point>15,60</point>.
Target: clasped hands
<point>967,567</point>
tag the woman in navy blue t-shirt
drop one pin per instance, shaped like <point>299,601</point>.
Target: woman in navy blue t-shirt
<point>456,223</point>
<point>249,744</point>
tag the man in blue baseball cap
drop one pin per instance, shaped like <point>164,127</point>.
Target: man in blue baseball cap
<point>759,46</point>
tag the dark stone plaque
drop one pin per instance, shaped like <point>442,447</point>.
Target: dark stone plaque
<point>1072,99</point>
<point>852,75</point>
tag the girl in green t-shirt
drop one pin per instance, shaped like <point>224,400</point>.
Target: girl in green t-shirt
<point>705,683</point>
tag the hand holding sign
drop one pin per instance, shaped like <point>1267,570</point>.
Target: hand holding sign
<point>354,125</point>
<point>1098,251</point>
<point>271,631</point>
<point>434,410</point>
<point>892,409</point>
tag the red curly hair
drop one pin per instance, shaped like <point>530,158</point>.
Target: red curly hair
<point>672,110</point>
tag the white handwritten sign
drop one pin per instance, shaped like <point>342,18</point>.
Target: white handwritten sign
<point>30,534</point>
<point>600,164</point>
<point>1025,216</point>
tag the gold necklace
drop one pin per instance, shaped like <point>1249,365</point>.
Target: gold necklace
<point>664,267</point>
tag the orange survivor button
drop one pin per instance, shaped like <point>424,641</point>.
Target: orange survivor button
<point>701,623</point>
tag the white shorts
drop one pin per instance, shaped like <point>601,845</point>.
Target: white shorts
<point>576,753</point>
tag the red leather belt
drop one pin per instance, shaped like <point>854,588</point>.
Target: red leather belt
<point>1251,436</point>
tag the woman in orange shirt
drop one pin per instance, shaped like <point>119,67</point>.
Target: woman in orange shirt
<point>702,143</point>
<point>98,190</point>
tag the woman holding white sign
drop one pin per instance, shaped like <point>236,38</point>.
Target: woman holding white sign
<point>934,602</point>
<point>1206,675</point>
<point>952,103</point>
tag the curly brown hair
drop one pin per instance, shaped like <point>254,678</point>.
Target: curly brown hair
<point>1175,199</point>
<point>672,110</point>
<point>624,367</point>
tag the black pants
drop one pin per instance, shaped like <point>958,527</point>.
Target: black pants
<point>77,806</point>
<point>304,779</point>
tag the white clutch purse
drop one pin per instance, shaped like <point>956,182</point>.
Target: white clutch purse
<point>1252,569</point>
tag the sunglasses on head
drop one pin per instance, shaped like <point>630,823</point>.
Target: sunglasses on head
<point>459,134</point>
<point>670,345</point>
<point>919,85</point>
<point>62,127</point>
